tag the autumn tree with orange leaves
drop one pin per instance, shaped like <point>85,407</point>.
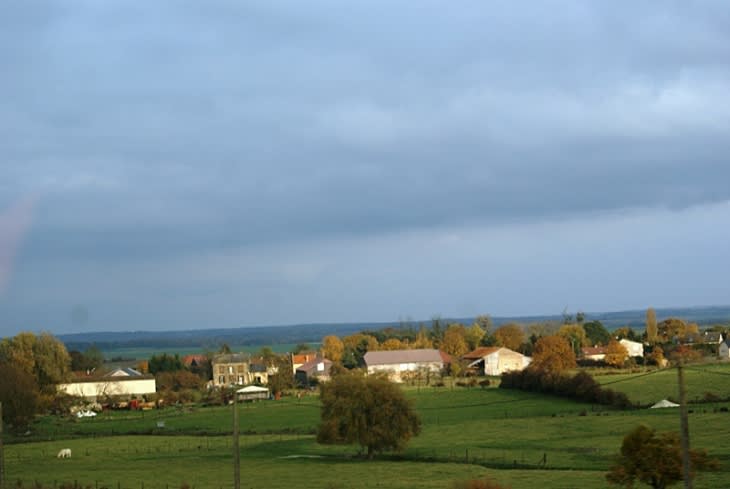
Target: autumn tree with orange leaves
<point>553,354</point>
<point>616,354</point>
<point>510,336</point>
<point>333,348</point>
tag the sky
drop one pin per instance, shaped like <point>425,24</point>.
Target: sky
<point>189,165</point>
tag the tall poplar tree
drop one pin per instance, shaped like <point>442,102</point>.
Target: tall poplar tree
<point>651,326</point>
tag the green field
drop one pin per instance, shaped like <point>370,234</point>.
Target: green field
<point>467,433</point>
<point>656,385</point>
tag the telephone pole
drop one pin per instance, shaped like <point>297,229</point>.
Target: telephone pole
<point>2,450</point>
<point>236,451</point>
<point>684,425</point>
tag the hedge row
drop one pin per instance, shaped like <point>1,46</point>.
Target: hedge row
<point>581,386</point>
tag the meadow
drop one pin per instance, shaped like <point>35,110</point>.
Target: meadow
<point>703,381</point>
<point>520,439</point>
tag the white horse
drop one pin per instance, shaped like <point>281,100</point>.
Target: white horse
<point>64,453</point>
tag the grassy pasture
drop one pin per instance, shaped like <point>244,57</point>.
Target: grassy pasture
<point>467,433</point>
<point>662,384</point>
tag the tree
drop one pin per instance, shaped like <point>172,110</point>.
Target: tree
<point>178,380</point>
<point>437,332</point>
<point>268,356</point>
<point>484,321</point>
<point>670,328</point>
<point>284,377</point>
<point>511,336</point>
<point>651,326</point>
<point>474,335</point>
<point>19,394</point>
<point>576,336</point>
<point>44,357</point>
<point>692,331</point>
<point>356,346</point>
<point>657,356</point>
<point>616,354</point>
<point>165,363</point>
<point>453,342</point>
<point>392,344</point>
<point>422,339</point>
<point>552,354</point>
<point>596,333</point>
<point>333,348</point>
<point>654,459</point>
<point>545,328</point>
<point>369,411</point>
<point>90,359</point>
<point>626,332</point>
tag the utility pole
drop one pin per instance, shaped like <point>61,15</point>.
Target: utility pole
<point>236,451</point>
<point>684,425</point>
<point>2,450</point>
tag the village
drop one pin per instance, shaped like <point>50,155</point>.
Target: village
<point>270,375</point>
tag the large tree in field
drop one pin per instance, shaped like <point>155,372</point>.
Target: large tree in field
<point>654,459</point>
<point>552,354</point>
<point>369,411</point>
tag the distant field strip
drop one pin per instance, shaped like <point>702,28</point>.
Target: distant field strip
<point>650,387</point>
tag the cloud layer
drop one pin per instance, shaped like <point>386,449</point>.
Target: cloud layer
<point>243,162</point>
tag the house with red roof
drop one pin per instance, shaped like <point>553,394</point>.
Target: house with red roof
<point>595,353</point>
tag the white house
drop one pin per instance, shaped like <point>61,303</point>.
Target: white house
<point>711,337</point>
<point>395,363</point>
<point>100,388</point>
<point>724,350</point>
<point>495,360</point>
<point>634,349</point>
<point>120,382</point>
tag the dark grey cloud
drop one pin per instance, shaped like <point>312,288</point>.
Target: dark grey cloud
<point>187,129</point>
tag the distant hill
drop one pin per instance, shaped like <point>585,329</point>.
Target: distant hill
<point>301,333</point>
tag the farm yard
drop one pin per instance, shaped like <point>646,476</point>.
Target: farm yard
<point>520,439</point>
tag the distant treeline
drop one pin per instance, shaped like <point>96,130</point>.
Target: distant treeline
<point>301,333</point>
